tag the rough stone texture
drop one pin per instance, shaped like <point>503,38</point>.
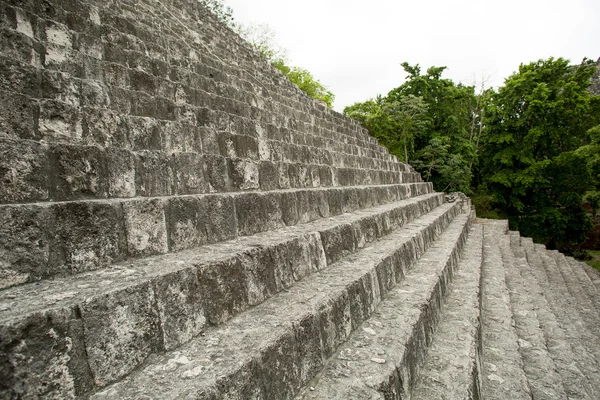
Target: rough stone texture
<point>178,220</point>
<point>502,370</point>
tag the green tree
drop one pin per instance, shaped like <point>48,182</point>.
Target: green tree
<point>306,82</point>
<point>222,12</point>
<point>533,169</point>
<point>435,132</point>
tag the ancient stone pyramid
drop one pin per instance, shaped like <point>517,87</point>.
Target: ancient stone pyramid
<point>177,220</point>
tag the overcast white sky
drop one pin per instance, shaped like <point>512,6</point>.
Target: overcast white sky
<point>355,47</point>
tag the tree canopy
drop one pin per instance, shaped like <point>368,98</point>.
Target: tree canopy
<point>540,151</point>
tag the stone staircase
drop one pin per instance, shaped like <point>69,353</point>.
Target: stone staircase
<point>177,220</point>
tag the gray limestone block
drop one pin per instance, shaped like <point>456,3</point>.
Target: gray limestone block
<point>115,74</point>
<point>120,172</point>
<point>223,287</point>
<point>279,364</point>
<point>78,172</point>
<point>143,105</point>
<point>188,173</point>
<point>15,76</point>
<point>325,175</point>
<point>300,176</point>
<point>217,173</point>
<point>309,346</point>
<point>43,356</point>
<point>339,242</point>
<point>24,171</point>
<point>197,220</point>
<point>121,331</point>
<point>179,302</point>
<point>93,94</point>
<point>257,212</point>
<point>268,175</point>
<point>243,173</point>
<point>181,136</point>
<point>142,81</point>
<point>210,143</point>
<point>105,128</point>
<point>234,145</point>
<point>350,200</point>
<point>85,236</point>
<point>120,100</point>
<point>19,116</point>
<point>20,46</point>
<point>59,121</point>
<point>60,86</point>
<point>24,244</point>
<point>289,208</point>
<point>153,174</point>
<point>335,322</point>
<point>145,226</point>
<point>141,133</point>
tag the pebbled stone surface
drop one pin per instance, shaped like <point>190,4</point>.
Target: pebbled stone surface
<point>272,349</point>
<point>502,374</point>
<point>452,366</point>
<point>382,357</point>
<point>540,369</point>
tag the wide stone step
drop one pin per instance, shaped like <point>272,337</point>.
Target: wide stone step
<point>502,376</point>
<point>582,295</point>
<point>589,278</point>
<point>452,366</point>
<point>564,345</point>
<point>112,319</point>
<point>382,357</point>
<point>271,350</point>
<point>583,341</point>
<point>44,240</point>
<point>531,323</point>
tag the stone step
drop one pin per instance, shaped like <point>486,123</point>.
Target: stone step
<point>593,274</point>
<point>452,366</point>
<point>502,376</point>
<point>274,348</point>
<point>49,239</point>
<point>382,357</point>
<point>531,323</point>
<point>59,172</point>
<point>581,301</point>
<point>584,343</point>
<point>589,278</point>
<point>111,320</point>
<point>563,342</point>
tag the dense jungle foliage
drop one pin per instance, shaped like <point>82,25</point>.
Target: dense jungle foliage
<point>528,151</point>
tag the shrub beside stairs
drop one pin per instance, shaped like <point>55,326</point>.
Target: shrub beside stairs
<point>178,221</point>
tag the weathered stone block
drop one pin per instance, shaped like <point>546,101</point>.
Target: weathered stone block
<point>243,174</point>
<point>188,173</point>
<point>153,174</point>
<point>105,128</point>
<point>224,290</point>
<point>121,172</point>
<point>78,172</point>
<point>339,242</point>
<point>24,247</point>
<point>18,116</point>
<point>258,212</point>
<point>19,77</point>
<point>44,355</point>
<point>24,171</point>
<point>146,227</point>
<point>59,121</point>
<point>179,302</point>
<point>268,175</point>
<point>217,173</point>
<point>121,330</point>
<point>19,46</point>
<point>85,236</point>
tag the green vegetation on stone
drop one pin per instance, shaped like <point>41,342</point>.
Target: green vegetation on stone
<point>595,261</point>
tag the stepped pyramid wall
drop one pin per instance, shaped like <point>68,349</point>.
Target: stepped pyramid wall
<point>178,220</point>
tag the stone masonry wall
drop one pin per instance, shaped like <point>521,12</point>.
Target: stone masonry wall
<point>121,119</point>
